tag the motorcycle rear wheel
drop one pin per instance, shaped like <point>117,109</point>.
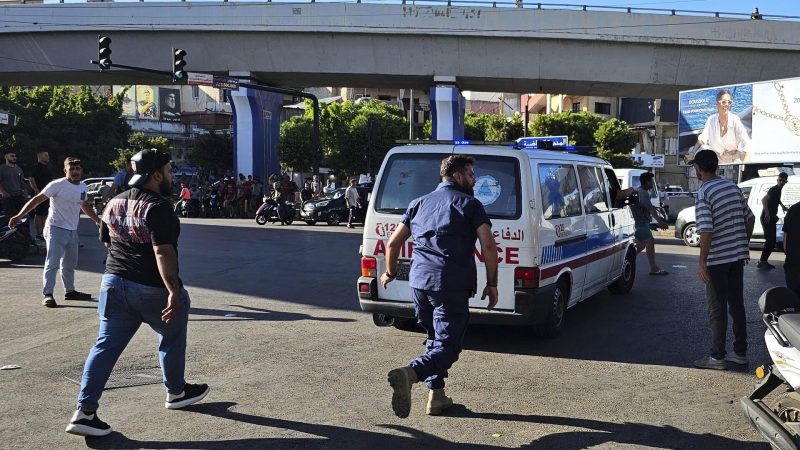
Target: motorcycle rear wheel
<point>261,219</point>
<point>787,407</point>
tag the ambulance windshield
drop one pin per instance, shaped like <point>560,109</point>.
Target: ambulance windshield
<point>411,175</point>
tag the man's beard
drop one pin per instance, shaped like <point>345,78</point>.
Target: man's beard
<point>465,186</point>
<point>165,187</point>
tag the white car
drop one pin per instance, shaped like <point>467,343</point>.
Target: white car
<point>753,190</point>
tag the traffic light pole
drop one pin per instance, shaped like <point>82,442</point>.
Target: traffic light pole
<point>315,135</point>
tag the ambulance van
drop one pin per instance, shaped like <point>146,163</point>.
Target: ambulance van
<point>560,236</point>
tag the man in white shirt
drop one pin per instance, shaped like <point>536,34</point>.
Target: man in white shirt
<point>353,201</point>
<point>67,199</point>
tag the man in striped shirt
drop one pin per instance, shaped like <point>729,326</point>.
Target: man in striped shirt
<point>725,224</point>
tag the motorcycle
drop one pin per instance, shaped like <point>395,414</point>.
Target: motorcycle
<point>212,207</point>
<point>268,211</point>
<point>188,208</point>
<point>778,423</point>
<point>15,243</point>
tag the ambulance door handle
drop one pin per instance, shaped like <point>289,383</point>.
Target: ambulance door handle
<point>612,219</point>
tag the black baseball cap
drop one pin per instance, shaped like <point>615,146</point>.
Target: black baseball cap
<point>706,159</point>
<point>146,162</point>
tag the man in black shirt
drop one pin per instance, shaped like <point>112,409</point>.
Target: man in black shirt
<point>41,176</point>
<point>769,219</point>
<point>791,247</point>
<point>140,284</point>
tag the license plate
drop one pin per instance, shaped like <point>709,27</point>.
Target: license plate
<point>403,267</point>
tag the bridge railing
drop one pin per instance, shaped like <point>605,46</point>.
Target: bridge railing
<point>522,4</point>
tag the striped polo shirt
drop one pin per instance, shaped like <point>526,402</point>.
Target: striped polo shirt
<point>721,210</point>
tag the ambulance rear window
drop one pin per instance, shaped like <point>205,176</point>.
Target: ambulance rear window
<point>409,176</point>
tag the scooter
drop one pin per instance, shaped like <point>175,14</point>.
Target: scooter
<point>268,211</point>
<point>779,422</point>
<point>15,243</point>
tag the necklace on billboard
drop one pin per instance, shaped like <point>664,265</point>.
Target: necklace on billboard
<point>792,122</point>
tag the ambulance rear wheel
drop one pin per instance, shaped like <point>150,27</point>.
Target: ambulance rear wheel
<point>401,323</point>
<point>382,320</point>
<point>624,283</point>
<point>554,322</point>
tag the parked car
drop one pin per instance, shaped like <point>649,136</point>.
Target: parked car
<point>754,190</point>
<point>332,208</point>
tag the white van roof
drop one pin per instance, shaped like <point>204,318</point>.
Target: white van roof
<point>793,179</point>
<point>496,150</point>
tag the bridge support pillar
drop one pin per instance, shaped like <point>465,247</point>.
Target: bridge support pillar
<point>256,129</point>
<point>447,110</point>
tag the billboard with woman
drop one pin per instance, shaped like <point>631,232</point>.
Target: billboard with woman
<point>745,123</point>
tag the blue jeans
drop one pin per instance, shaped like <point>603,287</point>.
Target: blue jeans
<point>444,316</point>
<point>123,306</point>
<point>62,252</point>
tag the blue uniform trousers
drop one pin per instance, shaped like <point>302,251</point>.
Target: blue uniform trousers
<point>444,316</point>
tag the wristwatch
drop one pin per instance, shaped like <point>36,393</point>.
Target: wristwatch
<point>390,276</point>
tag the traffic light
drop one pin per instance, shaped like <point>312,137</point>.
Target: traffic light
<point>178,73</point>
<point>104,52</point>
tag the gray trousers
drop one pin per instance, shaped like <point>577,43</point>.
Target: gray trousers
<point>62,252</point>
<point>724,295</point>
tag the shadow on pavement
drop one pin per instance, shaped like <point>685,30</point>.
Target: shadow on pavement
<point>331,436</point>
<point>255,314</point>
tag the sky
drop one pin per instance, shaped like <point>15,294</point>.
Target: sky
<point>777,7</point>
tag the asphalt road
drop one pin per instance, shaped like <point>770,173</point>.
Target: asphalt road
<point>293,363</point>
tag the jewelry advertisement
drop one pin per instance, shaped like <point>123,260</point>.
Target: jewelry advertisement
<point>745,123</point>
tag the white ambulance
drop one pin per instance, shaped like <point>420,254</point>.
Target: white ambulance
<point>559,235</point>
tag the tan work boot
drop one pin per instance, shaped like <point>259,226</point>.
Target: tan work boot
<point>437,402</point>
<point>401,380</point>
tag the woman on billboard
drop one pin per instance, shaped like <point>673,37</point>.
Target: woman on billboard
<point>724,133</point>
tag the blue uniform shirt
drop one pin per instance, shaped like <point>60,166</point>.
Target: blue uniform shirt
<point>444,226</point>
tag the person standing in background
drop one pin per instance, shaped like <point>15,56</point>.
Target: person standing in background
<point>41,177</point>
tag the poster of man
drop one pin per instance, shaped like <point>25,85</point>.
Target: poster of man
<point>146,107</point>
<point>745,123</point>
<point>170,104</point>
<point>128,100</point>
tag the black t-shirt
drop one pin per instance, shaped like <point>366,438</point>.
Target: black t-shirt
<point>42,175</point>
<point>791,226</point>
<point>133,222</point>
<point>774,194</point>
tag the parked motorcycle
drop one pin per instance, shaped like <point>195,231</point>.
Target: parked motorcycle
<point>779,422</point>
<point>268,212</point>
<point>15,243</point>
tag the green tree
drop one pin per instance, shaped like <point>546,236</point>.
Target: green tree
<point>295,149</point>
<point>213,151</point>
<point>136,142</point>
<point>475,126</point>
<point>65,121</point>
<point>354,137</point>
<point>579,127</point>
<point>615,142</point>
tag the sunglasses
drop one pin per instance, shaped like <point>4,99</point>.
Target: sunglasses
<point>726,102</point>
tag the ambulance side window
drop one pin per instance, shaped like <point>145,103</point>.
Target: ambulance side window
<point>592,190</point>
<point>559,186</point>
